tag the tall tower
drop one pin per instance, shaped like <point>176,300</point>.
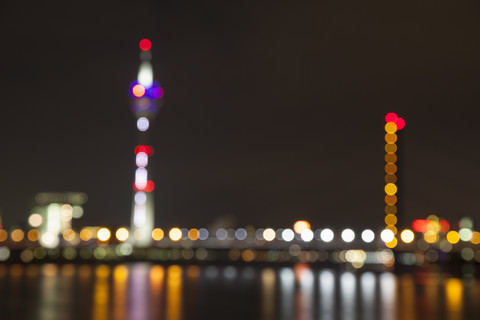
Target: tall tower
<point>393,124</point>
<point>146,95</point>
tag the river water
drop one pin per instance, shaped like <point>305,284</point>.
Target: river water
<point>173,292</point>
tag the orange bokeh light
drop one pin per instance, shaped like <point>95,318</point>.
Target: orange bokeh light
<point>138,90</point>
<point>300,226</point>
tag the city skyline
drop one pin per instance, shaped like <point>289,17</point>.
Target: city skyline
<point>271,118</point>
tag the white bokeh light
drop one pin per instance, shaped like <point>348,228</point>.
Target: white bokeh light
<point>145,74</point>
<point>326,235</point>
<point>140,198</point>
<point>288,235</point>
<point>241,234</point>
<point>387,235</point>
<point>141,178</point>
<point>141,160</point>
<point>143,124</point>
<point>368,235</point>
<point>348,235</point>
<point>35,220</point>
<point>49,240</point>
<point>307,235</point>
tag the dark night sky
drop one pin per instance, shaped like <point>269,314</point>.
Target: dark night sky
<point>274,111</point>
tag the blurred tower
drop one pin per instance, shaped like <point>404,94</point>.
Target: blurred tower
<point>393,124</point>
<point>146,95</point>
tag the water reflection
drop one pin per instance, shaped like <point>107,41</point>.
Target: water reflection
<point>348,287</point>
<point>388,296</point>
<point>327,294</point>
<point>157,274</point>
<point>174,293</point>
<point>101,293</point>
<point>143,291</point>
<point>454,295</point>
<point>287,288</point>
<point>305,293</point>
<point>268,294</point>
<point>368,283</point>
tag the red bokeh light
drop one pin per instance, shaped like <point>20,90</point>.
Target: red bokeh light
<point>145,44</point>
<point>143,148</point>
<point>391,117</point>
<point>400,123</point>
<point>157,92</point>
<point>148,188</point>
<point>420,225</point>
<point>444,225</point>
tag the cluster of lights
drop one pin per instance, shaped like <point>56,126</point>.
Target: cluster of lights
<point>393,123</point>
<point>112,243</point>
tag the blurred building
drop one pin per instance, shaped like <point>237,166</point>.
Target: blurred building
<point>53,213</point>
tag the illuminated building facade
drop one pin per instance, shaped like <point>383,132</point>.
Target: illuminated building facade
<point>53,215</point>
<point>146,95</point>
<point>393,124</point>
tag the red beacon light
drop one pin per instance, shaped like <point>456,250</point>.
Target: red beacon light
<point>149,187</point>
<point>145,45</point>
<point>143,148</point>
<point>392,117</point>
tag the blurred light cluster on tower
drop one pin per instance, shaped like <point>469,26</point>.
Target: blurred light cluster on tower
<point>393,123</point>
<point>146,95</point>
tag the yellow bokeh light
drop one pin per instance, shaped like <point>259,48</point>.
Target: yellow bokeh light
<point>390,219</point>
<point>68,235</point>
<point>17,235</point>
<point>390,137</point>
<point>193,234</point>
<point>393,228</point>
<point>475,237</point>
<point>157,234</point>
<point>390,158</point>
<point>390,148</point>
<point>391,200</point>
<point>3,235</point>
<point>301,225</point>
<point>390,189</point>
<point>103,234</point>
<point>390,209</point>
<point>390,178</point>
<point>122,234</point>
<point>390,168</point>
<point>86,234</point>
<point>175,234</point>
<point>407,236</point>
<point>390,127</point>
<point>33,235</point>
<point>392,244</point>
<point>430,236</point>
<point>248,255</point>
<point>453,237</point>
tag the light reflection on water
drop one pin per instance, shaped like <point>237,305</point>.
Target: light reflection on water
<point>144,291</point>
